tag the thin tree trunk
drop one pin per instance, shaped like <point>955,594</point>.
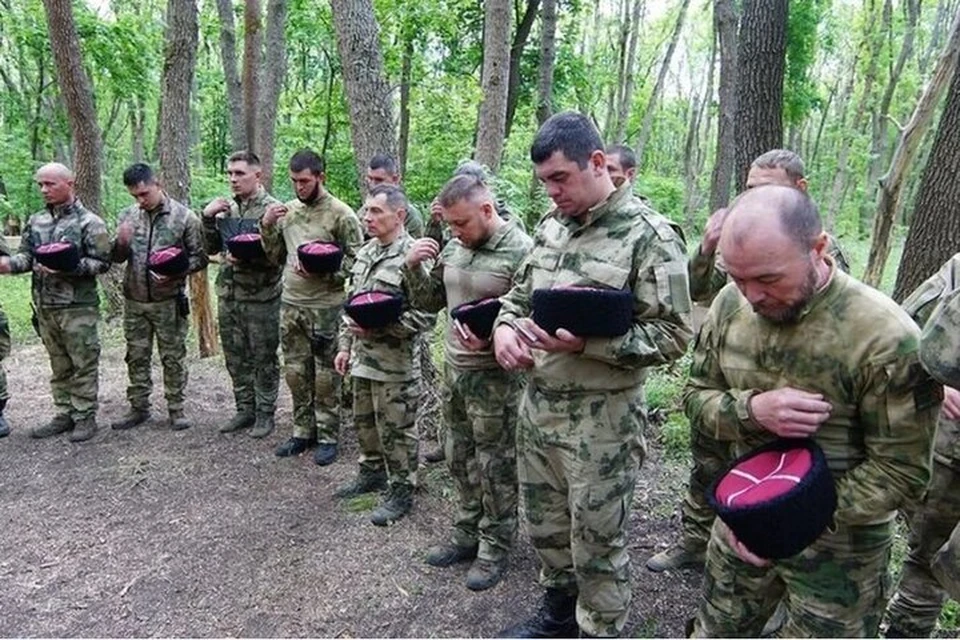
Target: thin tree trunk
<point>629,62</point>
<point>228,56</point>
<point>692,155</point>
<point>406,69</point>
<point>271,84</point>
<point>647,124</point>
<point>496,62</point>
<point>892,183</point>
<point>516,55</point>
<point>725,22</point>
<point>548,56</point>
<point>616,91</point>
<point>252,45</point>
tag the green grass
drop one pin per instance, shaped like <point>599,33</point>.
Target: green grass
<point>15,299</point>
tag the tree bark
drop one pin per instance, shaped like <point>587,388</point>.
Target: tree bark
<point>548,57</point>
<point>228,56</point>
<point>271,84</point>
<point>725,22</point>
<point>516,56</point>
<point>647,123</point>
<point>692,153</point>
<point>252,45</point>
<point>892,183</point>
<point>496,61</point>
<point>627,80</point>
<point>406,69</point>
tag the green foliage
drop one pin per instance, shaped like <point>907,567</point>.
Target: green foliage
<point>15,300</point>
<point>800,93</point>
<point>665,194</point>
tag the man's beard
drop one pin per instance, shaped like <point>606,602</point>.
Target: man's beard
<point>313,195</point>
<point>791,314</point>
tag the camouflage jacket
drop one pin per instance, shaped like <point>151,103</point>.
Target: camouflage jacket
<point>935,306</point>
<point>619,244</point>
<point>76,224</point>
<point>173,224</point>
<point>462,274</point>
<point>413,222</point>
<point>327,219</point>
<point>708,275</point>
<point>853,345</point>
<point>245,282</point>
<point>387,355</point>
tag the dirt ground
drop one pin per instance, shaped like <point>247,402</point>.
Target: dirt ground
<point>194,533</point>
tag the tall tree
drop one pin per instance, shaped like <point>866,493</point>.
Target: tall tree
<point>491,126</point>
<point>252,45</point>
<point>761,60</point>
<point>271,83</point>
<point>548,56</point>
<point>725,22</point>
<point>368,94</point>
<point>516,56</point>
<point>231,78</point>
<point>935,229</point>
<point>77,95</point>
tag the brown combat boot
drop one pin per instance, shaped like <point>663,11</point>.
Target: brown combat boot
<point>178,422</point>
<point>60,424</point>
<point>84,430</point>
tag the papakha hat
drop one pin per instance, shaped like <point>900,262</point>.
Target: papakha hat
<point>583,311</point>
<point>478,315</point>
<point>320,257</point>
<point>246,247</point>
<point>59,256</point>
<point>778,499</point>
<point>171,261</point>
<point>374,309</point>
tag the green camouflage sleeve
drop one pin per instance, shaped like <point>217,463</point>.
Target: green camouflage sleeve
<point>515,303</point>
<point>273,244</point>
<point>96,248</point>
<point>22,260</point>
<point>426,287</point>
<point>706,277</point>
<point>193,243</point>
<point>898,413</point>
<point>350,238</point>
<point>940,341</point>
<point>661,324</point>
<point>120,253</point>
<point>212,242</point>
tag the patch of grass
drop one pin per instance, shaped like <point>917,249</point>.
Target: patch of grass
<point>674,437</point>
<point>362,503</point>
<point>15,299</point>
<point>950,616</point>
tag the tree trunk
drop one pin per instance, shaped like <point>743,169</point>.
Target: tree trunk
<point>692,154</point>
<point>761,56</point>
<point>935,230</point>
<point>548,57</point>
<point>138,116</point>
<point>516,55</point>
<point>228,56</point>
<point>647,124</point>
<point>496,61</point>
<point>725,21</point>
<point>77,95</point>
<point>368,94</point>
<point>252,44</point>
<point>271,84</point>
<point>406,69</point>
<point>627,81</point>
<point>891,184</point>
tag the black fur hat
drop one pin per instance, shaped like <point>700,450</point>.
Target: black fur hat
<point>59,256</point>
<point>320,257</point>
<point>777,499</point>
<point>171,261</point>
<point>246,247</point>
<point>478,315</point>
<point>374,309</point>
<point>584,311</point>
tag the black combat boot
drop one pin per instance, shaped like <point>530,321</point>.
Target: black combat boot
<point>556,618</point>
<point>4,427</point>
<point>294,447</point>
<point>131,419</point>
<point>367,481</point>
<point>396,504</point>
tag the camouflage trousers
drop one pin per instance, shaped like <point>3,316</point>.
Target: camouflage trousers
<point>4,352</point>
<point>71,339</point>
<point>933,559</point>
<point>309,340</point>
<point>710,458</point>
<point>250,336</point>
<point>142,322</point>
<point>577,460</point>
<point>480,411</point>
<point>835,588</point>
<point>384,414</point>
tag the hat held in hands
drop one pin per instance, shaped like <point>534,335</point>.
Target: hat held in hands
<point>171,261</point>
<point>583,311</point>
<point>478,315</point>
<point>320,257</point>
<point>246,247</point>
<point>58,256</point>
<point>374,309</point>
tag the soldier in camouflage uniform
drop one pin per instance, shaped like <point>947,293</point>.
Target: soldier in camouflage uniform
<point>311,303</point>
<point>707,277</point>
<point>621,162</point>
<point>383,169</point>
<point>66,304</point>
<point>916,605</point>
<point>155,305</point>
<point>480,399</point>
<point>797,348</point>
<point>4,352</point>
<point>580,435</point>
<point>248,299</point>
<point>381,363</point>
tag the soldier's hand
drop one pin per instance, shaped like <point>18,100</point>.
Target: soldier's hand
<point>789,412</point>
<point>229,259</point>
<point>341,362</point>
<point>436,210</point>
<point>273,213</point>
<point>745,554</point>
<point>124,234</point>
<point>4,264</point>
<point>511,353</point>
<point>711,232</point>
<point>299,270</point>
<point>951,404</point>
<point>217,205</point>
<point>43,270</point>
<point>422,249</point>
<point>160,278</point>
<point>536,338</point>
<point>356,329</point>
<point>468,339</point>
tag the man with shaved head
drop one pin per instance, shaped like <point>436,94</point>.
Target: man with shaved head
<point>66,302</point>
<point>795,348</point>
